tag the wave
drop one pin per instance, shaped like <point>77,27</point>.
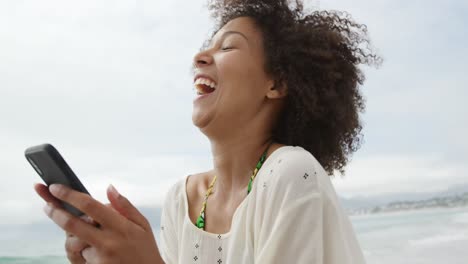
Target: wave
<point>461,218</point>
<point>33,260</point>
<point>439,239</point>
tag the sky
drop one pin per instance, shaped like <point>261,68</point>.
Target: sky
<point>108,83</point>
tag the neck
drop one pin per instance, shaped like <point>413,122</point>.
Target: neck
<point>234,162</point>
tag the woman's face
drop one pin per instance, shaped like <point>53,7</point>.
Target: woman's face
<point>234,62</point>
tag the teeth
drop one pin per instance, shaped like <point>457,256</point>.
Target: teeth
<point>205,81</point>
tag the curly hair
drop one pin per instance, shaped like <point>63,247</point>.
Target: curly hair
<point>316,56</point>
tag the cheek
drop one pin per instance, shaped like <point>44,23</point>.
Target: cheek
<point>232,67</point>
<point>239,74</point>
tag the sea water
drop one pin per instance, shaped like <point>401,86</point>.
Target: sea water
<point>425,236</point>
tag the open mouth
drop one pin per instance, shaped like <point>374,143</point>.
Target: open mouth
<point>204,86</point>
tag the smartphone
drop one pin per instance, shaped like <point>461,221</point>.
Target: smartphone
<point>50,165</point>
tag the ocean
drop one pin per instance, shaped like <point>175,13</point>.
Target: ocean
<point>425,236</point>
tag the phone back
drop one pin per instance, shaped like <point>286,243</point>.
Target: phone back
<point>52,168</point>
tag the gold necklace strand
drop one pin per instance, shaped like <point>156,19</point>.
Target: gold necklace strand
<point>201,218</point>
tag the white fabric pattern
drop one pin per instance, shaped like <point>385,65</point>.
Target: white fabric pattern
<point>292,215</point>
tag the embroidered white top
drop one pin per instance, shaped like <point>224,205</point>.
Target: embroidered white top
<point>292,215</point>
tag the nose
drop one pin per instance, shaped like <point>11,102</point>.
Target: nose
<point>202,59</point>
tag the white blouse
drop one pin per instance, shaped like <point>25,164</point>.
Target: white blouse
<point>292,215</point>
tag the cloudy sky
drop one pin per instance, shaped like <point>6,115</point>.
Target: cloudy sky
<point>108,83</point>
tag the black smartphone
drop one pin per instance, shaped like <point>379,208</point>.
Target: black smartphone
<point>50,165</point>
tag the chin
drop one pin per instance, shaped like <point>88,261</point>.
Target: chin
<point>200,120</point>
<point>205,124</point>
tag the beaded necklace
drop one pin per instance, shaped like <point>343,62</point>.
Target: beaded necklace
<point>201,218</point>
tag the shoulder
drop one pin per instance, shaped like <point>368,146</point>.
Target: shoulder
<point>296,158</point>
<point>296,168</point>
<point>196,185</point>
<point>174,194</point>
<point>189,184</point>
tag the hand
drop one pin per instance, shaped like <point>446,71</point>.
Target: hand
<point>124,235</point>
<point>73,245</point>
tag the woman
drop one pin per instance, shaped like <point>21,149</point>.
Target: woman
<point>278,99</point>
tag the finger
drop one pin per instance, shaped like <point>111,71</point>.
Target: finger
<point>88,219</point>
<point>74,244</point>
<point>85,218</point>
<point>90,255</point>
<point>73,247</point>
<point>43,191</point>
<point>87,204</point>
<point>109,205</point>
<point>126,208</point>
<point>73,225</point>
<point>76,258</point>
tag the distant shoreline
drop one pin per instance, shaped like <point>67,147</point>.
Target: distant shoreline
<point>451,201</point>
<point>400,212</point>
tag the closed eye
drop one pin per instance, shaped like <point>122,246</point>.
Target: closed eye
<point>226,48</point>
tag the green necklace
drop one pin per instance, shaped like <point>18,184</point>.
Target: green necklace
<point>201,218</point>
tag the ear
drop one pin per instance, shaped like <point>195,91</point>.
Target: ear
<point>277,90</point>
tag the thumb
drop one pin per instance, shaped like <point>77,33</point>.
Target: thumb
<point>122,205</point>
